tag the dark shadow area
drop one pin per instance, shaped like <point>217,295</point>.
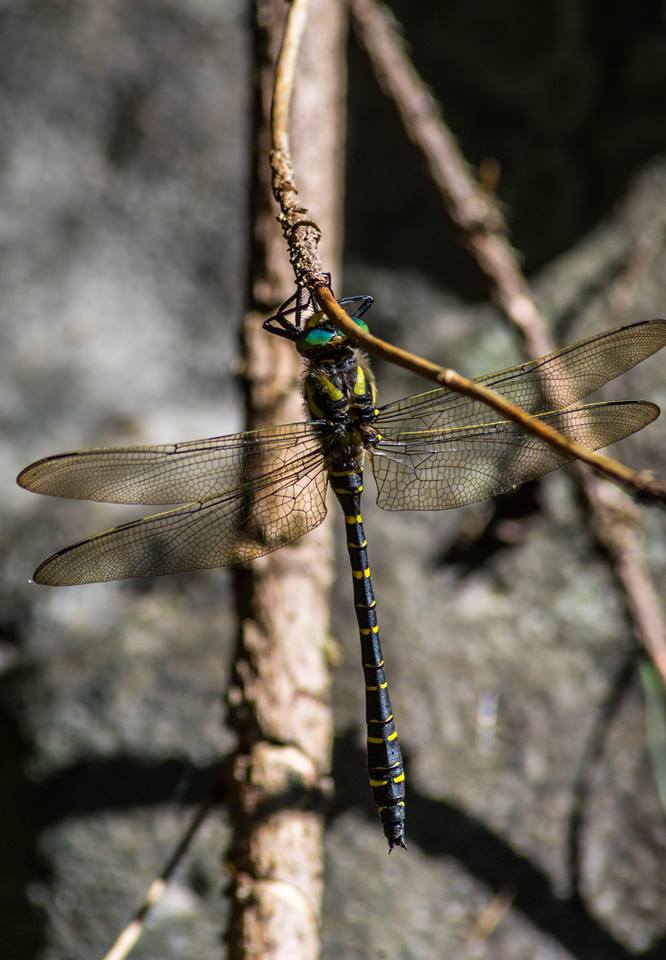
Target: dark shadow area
<point>21,868</point>
<point>508,523</point>
<point>126,129</point>
<point>441,829</point>
<point>119,783</point>
<point>82,790</point>
<point>590,757</point>
<point>569,100</point>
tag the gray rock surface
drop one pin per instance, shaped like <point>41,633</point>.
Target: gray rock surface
<point>122,191</point>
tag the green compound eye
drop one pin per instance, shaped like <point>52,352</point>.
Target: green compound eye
<point>361,323</point>
<point>317,337</point>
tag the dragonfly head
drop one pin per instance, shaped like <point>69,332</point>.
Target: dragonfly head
<point>320,334</point>
<point>301,320</point>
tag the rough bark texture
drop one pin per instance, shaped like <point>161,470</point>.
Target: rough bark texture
<point>280,699</point>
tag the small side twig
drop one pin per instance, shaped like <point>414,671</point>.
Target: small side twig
<point>493,914</point>
<point>484,232</point>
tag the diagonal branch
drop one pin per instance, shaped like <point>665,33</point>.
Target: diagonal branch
<point>642,483</point>
<point>130,935</point>
<point>485,235</point>
<point>472,210</point>
<point>302,235</point>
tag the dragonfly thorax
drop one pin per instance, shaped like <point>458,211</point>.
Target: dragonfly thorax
<point>341,388</point>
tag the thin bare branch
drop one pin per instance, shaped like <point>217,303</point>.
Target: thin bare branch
<point>493,914</point>
<point>301,233</point>
<point>302,236</point>
<point>129,937</point>
<point>644,484</point>
<point>484,233</point>
<point>472,210</point>
<point>616,523</point>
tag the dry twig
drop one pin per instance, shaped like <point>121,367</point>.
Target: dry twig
<point>301,233</point>
<point>471,209</point>
<point>484,233</point>
<point>642,483</point>
<point>493,914</point>
<point>302,236</point>
<point>129,937</point>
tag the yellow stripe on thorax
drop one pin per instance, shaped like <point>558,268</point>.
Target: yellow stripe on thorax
<point>360,385</point>
<point>312,405</point>
<point>333,392</point>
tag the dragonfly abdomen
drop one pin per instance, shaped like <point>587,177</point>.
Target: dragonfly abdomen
<point>385,764</point>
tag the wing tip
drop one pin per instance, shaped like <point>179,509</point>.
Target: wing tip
<point>47,573</point>
<point>652,410</point>
<point>22,478</point>
<point>654,324</point>
<point>655,408</point>
<point>38,576</point>
<point>41,577</point>
<point>29,479</point>
<point>44,578</point>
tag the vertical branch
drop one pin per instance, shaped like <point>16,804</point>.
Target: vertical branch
<point>302,233</point>
<point>279,702</point>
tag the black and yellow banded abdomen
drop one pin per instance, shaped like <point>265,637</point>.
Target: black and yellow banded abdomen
<point>385,765</point>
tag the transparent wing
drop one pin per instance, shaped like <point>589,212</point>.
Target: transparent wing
<point>248,523</point>
<point>171,473</point>
<point>559,379</point>
<point>440,469</point>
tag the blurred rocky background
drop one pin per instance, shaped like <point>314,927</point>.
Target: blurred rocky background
<point>534,812</point>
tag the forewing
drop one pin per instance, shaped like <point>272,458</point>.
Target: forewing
<point>171,473</point>
<point>263,516</point>
<point>557,380</point>
<point>440,469</point>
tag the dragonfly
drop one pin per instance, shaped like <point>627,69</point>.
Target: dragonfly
<point>238,497</point>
